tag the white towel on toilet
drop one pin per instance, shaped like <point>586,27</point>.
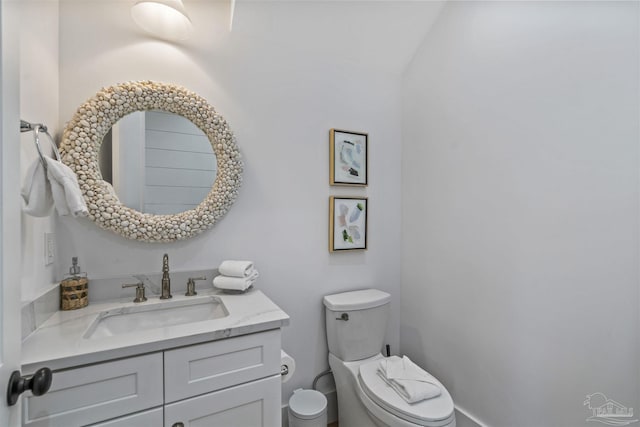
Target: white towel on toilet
<point>410,381</point>
<point>236,268</point>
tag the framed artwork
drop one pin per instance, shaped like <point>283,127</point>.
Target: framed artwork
<point>348,158</point>
<point>347,223</point>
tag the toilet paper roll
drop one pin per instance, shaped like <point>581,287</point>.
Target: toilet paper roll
<point>287,366</point>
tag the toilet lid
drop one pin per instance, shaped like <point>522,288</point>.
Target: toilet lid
<point>430,410</point>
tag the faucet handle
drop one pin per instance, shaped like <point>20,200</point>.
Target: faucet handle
<point>191,285</point>
<point>140,297</point>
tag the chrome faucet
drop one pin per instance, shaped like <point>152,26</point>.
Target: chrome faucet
<point>166,281</point>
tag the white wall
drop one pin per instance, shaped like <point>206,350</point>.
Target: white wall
<point>520,208</point>
<point>38,104</point>
<point>281,96</point>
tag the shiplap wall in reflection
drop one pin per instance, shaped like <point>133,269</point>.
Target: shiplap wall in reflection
<point>180,166</point>
<point>162,163</point>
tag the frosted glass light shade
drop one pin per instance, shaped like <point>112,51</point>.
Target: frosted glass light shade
<point>164,18</point>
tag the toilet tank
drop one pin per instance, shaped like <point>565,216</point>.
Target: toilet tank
<point>356,323</point>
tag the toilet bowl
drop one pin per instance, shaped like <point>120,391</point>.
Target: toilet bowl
<point>356,323</point>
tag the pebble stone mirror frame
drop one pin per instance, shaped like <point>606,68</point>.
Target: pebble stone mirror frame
<point>83,136</point>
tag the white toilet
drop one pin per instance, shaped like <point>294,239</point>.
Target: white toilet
<point>356,325</point>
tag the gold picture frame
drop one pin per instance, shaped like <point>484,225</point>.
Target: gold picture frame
<point>348,223</point>
<point>348,152</point>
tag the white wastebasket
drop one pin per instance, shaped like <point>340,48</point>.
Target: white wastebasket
<point>307,408</point>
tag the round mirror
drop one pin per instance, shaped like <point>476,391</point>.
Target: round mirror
<point>120,199</point>
<point>157,162</point>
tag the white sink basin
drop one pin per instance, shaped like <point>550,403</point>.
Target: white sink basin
<point>148,316</point>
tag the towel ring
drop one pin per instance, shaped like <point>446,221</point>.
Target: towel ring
<point>37,128</point>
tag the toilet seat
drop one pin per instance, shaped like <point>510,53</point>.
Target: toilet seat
<point>438,411</point>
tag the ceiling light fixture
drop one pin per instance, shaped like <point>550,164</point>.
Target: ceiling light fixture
<point>167,19</point>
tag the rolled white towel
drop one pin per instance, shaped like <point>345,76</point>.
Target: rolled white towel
<point>410,381</point>
<point>233,283</point>
<point>236,268</point>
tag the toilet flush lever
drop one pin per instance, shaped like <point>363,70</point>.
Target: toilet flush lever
<point>343,316</point>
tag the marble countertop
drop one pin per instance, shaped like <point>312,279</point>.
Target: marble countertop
<point>59,342</point>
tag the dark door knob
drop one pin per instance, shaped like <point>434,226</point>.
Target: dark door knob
<point>39,384</point>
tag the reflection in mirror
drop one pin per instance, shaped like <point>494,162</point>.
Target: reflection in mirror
<point>158,162</point>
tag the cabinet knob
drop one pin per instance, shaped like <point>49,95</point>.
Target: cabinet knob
<point>39,384</point>
<point>178,425</point>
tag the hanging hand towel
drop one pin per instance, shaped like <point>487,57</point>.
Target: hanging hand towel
<point>236,268</point>
<point>410,381</point>
<point>37,199</point>
<point>67,196</point>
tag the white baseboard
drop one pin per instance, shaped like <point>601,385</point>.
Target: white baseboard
<point>332,409</point>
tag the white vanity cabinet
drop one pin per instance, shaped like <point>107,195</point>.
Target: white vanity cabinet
<point>151,418</point>
<point>90,394</point>
<point>254,404</point>
<point>228,382</point>
<point>233,382</point>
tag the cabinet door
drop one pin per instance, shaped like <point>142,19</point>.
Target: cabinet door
<point>152,418</point>
<point>198,369</point>
<point>90,394</point>
<point>254,404</point>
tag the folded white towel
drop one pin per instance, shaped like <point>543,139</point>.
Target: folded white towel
<point>37,199</point>
<point>234,283</point>
<point>236,268</point>
<point>410,381</point>
<point>67,196</point>
<point>397,368</point>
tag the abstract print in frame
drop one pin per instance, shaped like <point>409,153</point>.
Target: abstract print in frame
<point>348,158</point>
<point>347,223</point>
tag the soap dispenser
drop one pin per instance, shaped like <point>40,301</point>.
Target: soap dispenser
<point>74,289</point>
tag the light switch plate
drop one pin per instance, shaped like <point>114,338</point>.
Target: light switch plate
<point>49,248</point>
